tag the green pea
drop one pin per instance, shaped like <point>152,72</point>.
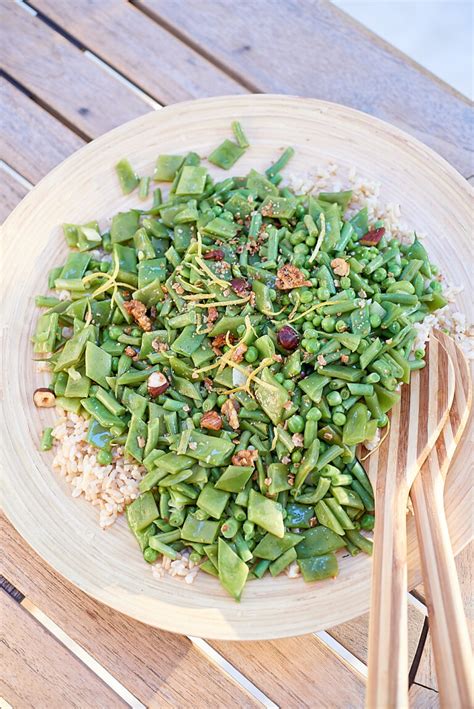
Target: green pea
<point>221,399</point>
<point>296,456</point>
<point>150,555</point>
<point>323,293</point>
<point>299,260</point>
<point>297,238</point>
<point>280,377</point>
<point>289,384</point>
<point>334,398</point>
<point>104,457</point>
<point>301,249</point>
<point>296,423</point>
<point>341,326</point>
<point>115,332</point>
<point>306,326</point>
<point>304,343</point>
<point>310,333</point>
<point>312,346</point>
<point>379,275</point>
<point>228,216</point>
<point>306,297</point>
<point>375,321</point>
<point>345,282</point>
<point>311,241</point>
<point>339,418</point>
<point>313,414</point>
<point>394,269</point>
<point>316,321</point>
<point>104,266</point>
<point>367,522</point>
<point>136,332</point>
<point>328,324</point>
<point>251,355</point>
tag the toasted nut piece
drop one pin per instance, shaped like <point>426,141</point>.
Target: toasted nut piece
<point>229,409</point>
<point>137,310</point>
<point>157,384</point>
<point>340,267</point>
<point>44,398</point>
<point>247,457</point>
<point>211,420</point>
<point>288,277</point>
<point>239,352</point>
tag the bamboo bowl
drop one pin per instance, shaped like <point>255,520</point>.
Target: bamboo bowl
<point>64,531</point>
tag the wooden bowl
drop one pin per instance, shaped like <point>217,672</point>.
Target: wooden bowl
<point>64,531</point>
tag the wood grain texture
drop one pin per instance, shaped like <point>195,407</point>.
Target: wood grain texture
<point>144,52</point>
<point>33,665</point>
<point>296,672</point>
<point>32,141</point>
<point>449,632</point>
<point>415,424</point>
<point>311,48</point>
<point>159,668</point>
<point>11,193</point>
<point>61,77</point>
<point>319,132</point>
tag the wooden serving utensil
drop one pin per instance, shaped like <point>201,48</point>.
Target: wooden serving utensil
<point>451,644</point>
<point>415,424</point>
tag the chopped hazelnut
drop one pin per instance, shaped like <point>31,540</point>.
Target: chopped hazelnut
<point>44,398</point>
<point>157,384</point>
<point>229,409</point>
<point>211,420</point>
<point>340,267</point>
<point>246,457</point>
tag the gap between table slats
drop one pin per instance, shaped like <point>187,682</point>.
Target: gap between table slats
<point>61,78</point>
<point>33,660</point>
<point>122,36</point>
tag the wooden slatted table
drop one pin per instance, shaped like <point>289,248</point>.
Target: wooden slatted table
<point>71,71</point>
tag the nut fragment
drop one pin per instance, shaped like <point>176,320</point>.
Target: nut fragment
<point>246,457</point>
<point>212,315</point>
<point>340,267</point>
<point>138,312</point>
<point>239,352</point>
<point>44,398</point>
<point>211,420</point>
<point>157,383</point>
<point>288,277</point>
<point>130,352</point>
<point>229,409</point>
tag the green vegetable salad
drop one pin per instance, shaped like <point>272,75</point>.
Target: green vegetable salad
<point>241,342</point>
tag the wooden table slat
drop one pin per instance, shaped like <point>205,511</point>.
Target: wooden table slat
<point>33,665</point>
<point>11,193</point>
<point>296,672</point>
<point>311,48</point>
<point>61,76</point>
<point>158,668</point>
<point>32,141</point>
<point>144,52</point>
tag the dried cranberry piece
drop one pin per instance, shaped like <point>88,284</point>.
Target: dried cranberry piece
<point>240,286</point>
<point>288,338</point>
<point>214,255</point>
<point>372,237</point>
